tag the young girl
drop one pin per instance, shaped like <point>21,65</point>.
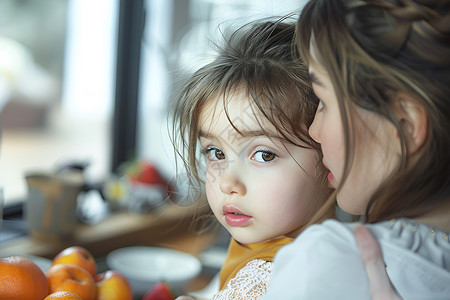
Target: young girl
<point>249,113</point>
<point>381,70</point>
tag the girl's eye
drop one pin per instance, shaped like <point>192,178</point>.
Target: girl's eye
<point>213,153</point>
<point>264,156</point>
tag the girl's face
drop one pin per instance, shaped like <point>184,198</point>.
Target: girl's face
<point>258,186</point>
<point>376,145</point>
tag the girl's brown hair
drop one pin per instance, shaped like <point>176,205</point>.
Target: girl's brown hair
<point>256,59</point>
<point>374,50</point>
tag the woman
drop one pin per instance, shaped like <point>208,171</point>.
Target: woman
<point>381,74</point>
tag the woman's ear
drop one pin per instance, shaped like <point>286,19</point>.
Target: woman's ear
<point>414,121</point>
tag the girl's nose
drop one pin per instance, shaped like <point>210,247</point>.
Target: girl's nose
<point>314,129</point>
<point>230,183</point>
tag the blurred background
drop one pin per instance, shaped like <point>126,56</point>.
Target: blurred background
<point>70,90</point>
<point>86,85</point>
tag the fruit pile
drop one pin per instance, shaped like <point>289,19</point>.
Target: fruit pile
<point>72,276</point>
<point>138,186</point>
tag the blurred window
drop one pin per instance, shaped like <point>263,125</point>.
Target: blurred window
<point>57,71</point>
<point>57,77</point>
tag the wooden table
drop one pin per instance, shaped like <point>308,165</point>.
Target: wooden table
<point>169,227</point>
<point>121,229</point>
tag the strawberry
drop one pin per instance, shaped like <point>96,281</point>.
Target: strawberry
<point>159,291</point>
<point>144,172</point>
<point>149,174</point>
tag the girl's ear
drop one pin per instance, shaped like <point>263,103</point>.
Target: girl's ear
<point>414,121</point>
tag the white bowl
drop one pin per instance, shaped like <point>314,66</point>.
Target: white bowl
<point>145,266</point>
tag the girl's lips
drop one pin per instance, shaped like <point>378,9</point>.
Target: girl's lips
<point>230,209</point>
<point>238,220</point>
<point>234,217</point>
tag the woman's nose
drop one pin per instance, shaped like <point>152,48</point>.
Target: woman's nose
<point>314,129</point>
<point>230,183</point>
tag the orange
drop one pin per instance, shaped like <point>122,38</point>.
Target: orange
<point>79,256</point>
<point>71,278</point>
<point>61,295</point>
<point>112,285</point>
<point>21,279</point>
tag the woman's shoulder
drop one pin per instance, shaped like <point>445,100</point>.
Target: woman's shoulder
<point>321,254</point>
<point>409,233</point>
<point>329,234</point>
<point>417,256</point>
<point>329,231</point>
<point>398,238</point>
<point>417,259</point>
<point>415,241</point>
<point>331,242</point>
<point>401,234</point>
<point>403,231</point>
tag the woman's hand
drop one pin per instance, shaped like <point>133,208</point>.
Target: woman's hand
<point>380,285</point>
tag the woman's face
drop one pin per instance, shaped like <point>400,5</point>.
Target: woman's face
<point>376,146</point>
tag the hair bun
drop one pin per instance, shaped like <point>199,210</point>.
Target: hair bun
<point>435,13</point>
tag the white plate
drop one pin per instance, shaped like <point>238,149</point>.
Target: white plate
<point>144,266</point>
